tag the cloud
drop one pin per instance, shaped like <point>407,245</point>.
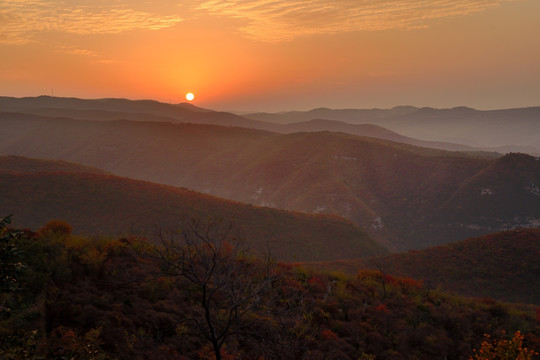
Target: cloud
<point>76,51</point>
<point>90,54</point>
<point>271,20</point>
<point>22,20</point>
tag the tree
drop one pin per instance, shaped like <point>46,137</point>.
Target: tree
<point>10,262</point>
<point>381,273</point>
<point>504,349</point>
<point>56,228</point>
<point>229,288</point>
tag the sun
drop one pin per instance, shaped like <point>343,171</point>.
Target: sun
<point>190,96</point>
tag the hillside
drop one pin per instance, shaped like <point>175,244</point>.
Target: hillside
<point>96,204</point>
<point>122,299</point>
<point>508,187</point>
<point>20,164</point>
<point>503,266</point>
<point>404,196</point>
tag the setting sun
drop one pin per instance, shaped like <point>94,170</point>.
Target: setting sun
<point>190,96</point>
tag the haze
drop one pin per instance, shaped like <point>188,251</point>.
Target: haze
<point>262,55</point>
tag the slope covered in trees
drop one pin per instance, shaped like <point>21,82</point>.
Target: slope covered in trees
<point>97,204</point>
<point>127,299</point>
<point>403,195</point>
<point>21,164</point>
<point>503,266</point>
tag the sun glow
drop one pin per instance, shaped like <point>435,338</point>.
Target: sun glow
<point>190,96</point>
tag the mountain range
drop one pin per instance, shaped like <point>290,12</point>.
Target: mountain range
<point>506,130</point>
<point>457,129</point>
<point>404,196</point>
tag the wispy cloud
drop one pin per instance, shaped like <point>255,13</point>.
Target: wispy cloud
<point>271,20</point>
<point>268,20</point>
<point>76,51</point>
<point>90,54</point>
<point>22,20</point>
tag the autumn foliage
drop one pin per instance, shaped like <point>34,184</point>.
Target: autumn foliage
<point>117,298</point>
<point>503,349</point>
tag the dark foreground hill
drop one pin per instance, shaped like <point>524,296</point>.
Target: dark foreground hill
<point>97,204</point>
<point>502,266</point>
<point>125,299</point>
<point>409,197</point>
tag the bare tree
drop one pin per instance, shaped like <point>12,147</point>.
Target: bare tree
<point>380,266</point>
<point>228,286</point>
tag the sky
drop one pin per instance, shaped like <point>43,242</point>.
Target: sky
<point>271,55</point>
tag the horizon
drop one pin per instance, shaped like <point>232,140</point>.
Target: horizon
<point>273,56</point>
<point>243,112</point>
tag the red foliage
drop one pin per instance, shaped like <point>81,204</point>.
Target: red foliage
<point>328,334</point>
<point>382,308</point>
<point>134,310</point>
<point>411,283</point>
<point>316,283</point>
<point>389,279</point>
<point>207,353</point>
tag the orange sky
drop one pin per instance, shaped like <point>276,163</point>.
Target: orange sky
<point>249,55</point>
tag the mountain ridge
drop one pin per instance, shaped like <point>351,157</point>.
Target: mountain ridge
<point>145,110</point>
<point>504,130</point>
<point>500,265</point>
<point>95,203</point>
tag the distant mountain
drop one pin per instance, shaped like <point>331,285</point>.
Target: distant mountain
<point>148,110</point>
<point>124,109</point>
<point>352,116</point>
<point>509,130</point>
<point>37,191</point>
<point>405,196</point>
<point>370,130</point>
<point>503,266</point>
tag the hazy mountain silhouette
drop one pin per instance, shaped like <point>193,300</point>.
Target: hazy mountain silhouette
<point>352,116</point>
<point>405,196</point>
<point>116,109</point>
<point>358,121</point>
<point>493,130</point>
<point>369,130</point>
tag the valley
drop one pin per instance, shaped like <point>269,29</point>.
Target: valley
<point>404,196</point>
